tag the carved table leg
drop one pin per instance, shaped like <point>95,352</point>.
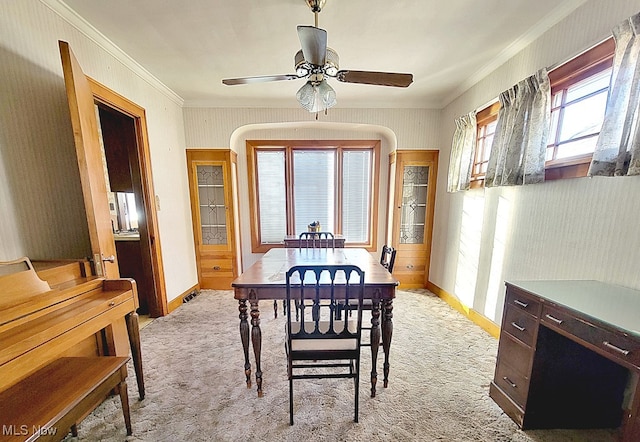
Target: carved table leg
<point>387,333</point>
<point>244,336</point>
<point>375,342</point>
<point>133,330</point>
<point>256,338</point>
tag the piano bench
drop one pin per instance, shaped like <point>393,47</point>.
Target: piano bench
<point>51,401</point>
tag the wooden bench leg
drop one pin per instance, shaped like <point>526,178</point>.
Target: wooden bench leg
<point>124,399</point>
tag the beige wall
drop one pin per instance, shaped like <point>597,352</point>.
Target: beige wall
<point>583,228</point>
<point>42,212</point>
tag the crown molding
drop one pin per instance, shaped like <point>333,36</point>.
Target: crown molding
<point>74,19</point>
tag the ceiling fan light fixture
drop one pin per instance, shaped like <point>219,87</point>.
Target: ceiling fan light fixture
<point>332,63</point>
<point>302,69</point>
<point>316,97</point>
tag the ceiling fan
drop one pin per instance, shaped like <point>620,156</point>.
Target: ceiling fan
<point>316,62</point>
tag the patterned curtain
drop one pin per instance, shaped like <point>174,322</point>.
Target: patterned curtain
<point>462,150</point>
<point>617,151</point>
<point>519,145</point>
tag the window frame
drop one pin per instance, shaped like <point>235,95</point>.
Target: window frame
<point>585,65</point>
<point>288,147</point>
<point>484,117</point>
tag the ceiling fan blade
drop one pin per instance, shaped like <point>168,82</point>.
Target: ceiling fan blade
<point>261,79</point>
<point>314,44</point>
<point>375,78</point>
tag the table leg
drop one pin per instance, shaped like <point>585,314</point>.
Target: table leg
<point>244,336</point>
<point>375,342</point>
<point>133,330</point>
<point>387,333</point>
<point>256,338</point>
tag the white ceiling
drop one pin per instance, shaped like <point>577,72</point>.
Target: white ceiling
<point>447,45</point>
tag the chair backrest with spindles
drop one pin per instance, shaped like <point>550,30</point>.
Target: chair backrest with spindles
<point>317,240</point>
<point>388,257</point>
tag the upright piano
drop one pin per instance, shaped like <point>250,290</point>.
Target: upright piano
<point>58,309</point>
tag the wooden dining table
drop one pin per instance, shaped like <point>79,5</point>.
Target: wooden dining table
<point>265,280</point>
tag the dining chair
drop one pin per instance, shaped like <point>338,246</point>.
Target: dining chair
<point>309,240</point>
<point>316,240</point>
<point>388,257</point>
<point>312,240</point>
<point>318,346</point>
<point>387,260</point>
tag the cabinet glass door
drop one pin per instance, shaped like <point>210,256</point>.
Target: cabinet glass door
<point>211,197</point>
<point>413,211</point>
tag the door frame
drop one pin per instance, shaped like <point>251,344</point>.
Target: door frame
<point>107,97</point>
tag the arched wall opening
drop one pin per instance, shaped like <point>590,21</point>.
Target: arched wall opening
<point>308,130</point>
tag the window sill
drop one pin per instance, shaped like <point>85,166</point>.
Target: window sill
<point>575,167</point>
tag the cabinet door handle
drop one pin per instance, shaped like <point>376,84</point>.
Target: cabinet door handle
<point>556,320</point>
<point>520,303</point>
<point>615,348</point>
<point>509,381</point>
<point>216,267</point>
<point>517,327</point>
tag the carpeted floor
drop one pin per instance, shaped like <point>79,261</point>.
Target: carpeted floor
<point>441,366</point>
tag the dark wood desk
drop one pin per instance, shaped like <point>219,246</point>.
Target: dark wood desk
<point>569,356</point>
<point>265,280</point>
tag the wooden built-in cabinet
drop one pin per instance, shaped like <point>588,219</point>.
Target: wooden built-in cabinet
<point>569,356</point>
<point>412,191</point>
<point>211,185</point>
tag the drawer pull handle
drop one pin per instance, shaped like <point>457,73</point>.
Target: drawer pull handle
<point>556,320</point>
<point>510,382</point>
<point>112,303</point>
<point>216,267</point>
<point>520,303</point>
<point>518,327</point>
<point>615,348</point>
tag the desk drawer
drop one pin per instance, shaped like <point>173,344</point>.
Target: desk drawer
<point>523,301</point>
<point>520,324</point>
<point>515,354</point>
<point>513,383</point>
<point>622,348</point>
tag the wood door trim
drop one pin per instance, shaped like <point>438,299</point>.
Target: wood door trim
<point>112,99</point>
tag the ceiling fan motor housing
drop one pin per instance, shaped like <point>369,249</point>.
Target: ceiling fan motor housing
<point>316,5</point>
<point>330,68</point>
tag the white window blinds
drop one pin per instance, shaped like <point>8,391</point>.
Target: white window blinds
<point>272,196</point>
<point>314,175</point>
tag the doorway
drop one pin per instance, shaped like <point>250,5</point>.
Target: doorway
<point>131,198</point>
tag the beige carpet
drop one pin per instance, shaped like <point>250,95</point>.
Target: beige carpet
<point>441,366</point>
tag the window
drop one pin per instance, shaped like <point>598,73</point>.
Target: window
<point>486,121</point>
<point>294,183</point>
<point>579,91</point>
